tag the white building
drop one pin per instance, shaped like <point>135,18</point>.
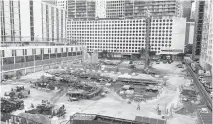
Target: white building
<point>206,44</point>
<point>128,36</point>
<point>10,27</point>
<point>100,9</point>
<point>53,23</point>
<point>31,20</point>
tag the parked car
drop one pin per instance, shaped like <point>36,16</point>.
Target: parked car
<point>211,95</point>
<point>200,78</point>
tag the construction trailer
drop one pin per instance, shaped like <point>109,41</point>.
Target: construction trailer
<point>82,118</point>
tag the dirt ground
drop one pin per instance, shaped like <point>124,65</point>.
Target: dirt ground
<point>112,104</point>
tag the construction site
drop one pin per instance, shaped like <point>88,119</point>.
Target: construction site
<point>111,89</point>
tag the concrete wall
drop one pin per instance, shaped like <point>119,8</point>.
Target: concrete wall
<point>178,33</point>
<point>42,66</point>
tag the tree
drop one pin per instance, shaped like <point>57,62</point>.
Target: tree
<point>104,53</point>
<point>142,51</point>
<point>152,53</point>
<point>110,55</point>
<point>188,49</point>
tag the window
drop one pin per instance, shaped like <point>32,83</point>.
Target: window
<point>34,51</point>
<point>42,51</point>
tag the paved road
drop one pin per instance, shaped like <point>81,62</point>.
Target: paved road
<point>201,88</point>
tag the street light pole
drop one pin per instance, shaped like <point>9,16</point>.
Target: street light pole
<point>148,25</point>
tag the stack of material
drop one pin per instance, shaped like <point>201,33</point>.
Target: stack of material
<point>36,117</point>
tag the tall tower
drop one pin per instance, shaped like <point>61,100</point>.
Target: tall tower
<point>200,5</point>
<point>81,9</point>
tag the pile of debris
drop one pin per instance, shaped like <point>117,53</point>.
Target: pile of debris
<point>50,83</point>
<point>46,108</point>
<point>10,105</point>
<point>83,91</point>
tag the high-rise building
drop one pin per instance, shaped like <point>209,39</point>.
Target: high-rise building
<point>115,8</point>
<point>81,9</point>
<point>10,21</point>
<point>100,9</point>
<point>207,36</point>
<point>127,36</point>
<point>62,4</point>
<point>186,7</point>
<point>53,2</point>
<point>189,32</point>
<point>199,15</point>
<point>137,8</point>
<point>53,23</point>
<point>32,20</point>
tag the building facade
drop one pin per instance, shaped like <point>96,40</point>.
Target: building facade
<point>207,37</point>
<point>185,8</point>
<point>199,15</point>
<point>10,21</point>
<point>53,23</point>
<point>91,9</point>
<point>189,38</point>
<point>62,4</point>
<point>158,8</point>
<point>115,8</point>
<point>127,36</point>
<point>31,21</point>
<point>81,9</point>
<point>100,8</point>
<point>31,59</point>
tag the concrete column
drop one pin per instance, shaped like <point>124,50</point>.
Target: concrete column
<point>25,71</point>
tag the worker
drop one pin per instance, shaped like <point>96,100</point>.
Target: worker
<point>29,92</point>
<point>138,108</point>
<point>11,89</point>
<point>32,106</point>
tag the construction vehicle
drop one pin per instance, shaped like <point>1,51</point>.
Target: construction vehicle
<point>18,92</point>
<point>10,105</point>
